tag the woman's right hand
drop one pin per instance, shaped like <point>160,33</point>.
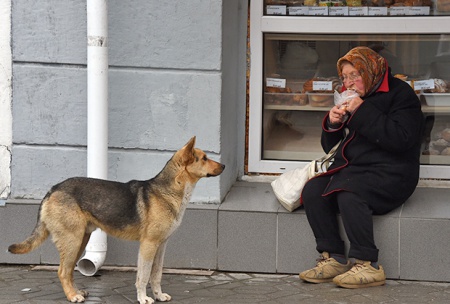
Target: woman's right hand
<point>338,114</point>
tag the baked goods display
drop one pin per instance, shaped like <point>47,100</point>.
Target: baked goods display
<point>284,96</point>
<point>443,5</point>
<point>421,7</point>
<point>440,86</point>
<point>300,93</point>
<point>440,145</point>
<point>321,97</point>
<point>390,3</point>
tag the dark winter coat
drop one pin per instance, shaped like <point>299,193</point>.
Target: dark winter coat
<point>379,159</point>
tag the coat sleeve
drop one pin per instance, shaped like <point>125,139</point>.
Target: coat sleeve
<point>329,137</point>
<point>392,120</point>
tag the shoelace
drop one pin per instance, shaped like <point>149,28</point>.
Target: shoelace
<point>321,260</point>
<point>356,267</point>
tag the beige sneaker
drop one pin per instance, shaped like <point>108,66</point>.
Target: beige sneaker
<point>326,269</point>
<point>361,275</point>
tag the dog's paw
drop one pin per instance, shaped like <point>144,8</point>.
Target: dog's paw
<point>146,300</point>
<point>83,293</point>
<point>77,299</point>
<point>163,297</point>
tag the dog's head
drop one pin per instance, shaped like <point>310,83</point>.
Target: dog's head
<point>196,162</point>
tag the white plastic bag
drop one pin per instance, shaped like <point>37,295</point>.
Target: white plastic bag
<point>289,185</point>
<point>343,97</point>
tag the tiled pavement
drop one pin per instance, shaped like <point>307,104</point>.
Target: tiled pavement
<point>21,284</point>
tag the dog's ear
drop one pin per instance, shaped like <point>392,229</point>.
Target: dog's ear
<point>188,151</point>
<point>190,144</point>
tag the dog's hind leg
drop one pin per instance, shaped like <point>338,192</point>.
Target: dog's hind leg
<point>69,247</point>
<point>156,274</point>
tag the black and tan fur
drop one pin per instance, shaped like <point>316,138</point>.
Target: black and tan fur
<point>146,211</point>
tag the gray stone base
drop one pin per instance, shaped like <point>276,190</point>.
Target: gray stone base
<point>251,232</point>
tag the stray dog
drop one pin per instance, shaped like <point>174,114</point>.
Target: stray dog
<point>145,211</point>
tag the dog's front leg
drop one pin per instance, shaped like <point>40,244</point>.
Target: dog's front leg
<point>156,274</point>
<point>147,253</point>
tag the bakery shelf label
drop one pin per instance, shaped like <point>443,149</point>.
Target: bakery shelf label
<point>398,11</point>
<point>419,10</point>
<point>276,9</point>
<point>358,11</point>
<point>298,10</point>
<point>318,11</point>
<point>276,83</point>
<point>338,11</point>
<point>322,86</point>
<point>378,11</point>
<point>423,84</point>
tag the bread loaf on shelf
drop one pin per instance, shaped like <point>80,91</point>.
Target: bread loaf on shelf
<point>443,5</point>
<point>321,98</point>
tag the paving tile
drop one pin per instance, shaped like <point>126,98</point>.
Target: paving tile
<point>117,287</point>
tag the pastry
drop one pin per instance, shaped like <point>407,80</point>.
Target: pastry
<point>278,90</point>
<point>401,76</point>
<point>308,86</point>
<point>310,3</point>
<point>430,152</point>
<point>443,5</point>
<point>299,99</point>
<point>320,100</point>
<point>440,86</point>
<point>445,134</point>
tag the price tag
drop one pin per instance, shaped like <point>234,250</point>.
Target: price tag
<point>423,84</point>
<point>378,11</point>
<point>338,11</point>
<point>276,9</point>
<point>398,10</point>
<point>318,11</point>
<point>276,83</point>
<point>419,10</point>
<point>358,11</point>
<point>298,10</point>
<point>322,85</point>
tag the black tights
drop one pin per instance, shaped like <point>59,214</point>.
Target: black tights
<point>356,216</point>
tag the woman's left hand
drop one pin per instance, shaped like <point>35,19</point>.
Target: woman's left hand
<point>352,104</point>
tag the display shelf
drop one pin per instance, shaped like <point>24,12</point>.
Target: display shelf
<point>435,110</point>
<point>435,159</point>
<point>425,109</point>
<point>293,143</point>
<point>297,108</point>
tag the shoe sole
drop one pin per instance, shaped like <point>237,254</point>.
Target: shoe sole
<point>316,281</point>
<point>373,284</point>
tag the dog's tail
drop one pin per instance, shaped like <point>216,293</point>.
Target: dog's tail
<point>37,237</point>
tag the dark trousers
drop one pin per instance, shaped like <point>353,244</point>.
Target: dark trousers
<point>356,215</point>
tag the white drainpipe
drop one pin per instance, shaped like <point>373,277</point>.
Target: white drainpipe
<point>97,145</point>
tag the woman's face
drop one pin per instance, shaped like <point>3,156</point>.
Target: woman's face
<point>351,79</point>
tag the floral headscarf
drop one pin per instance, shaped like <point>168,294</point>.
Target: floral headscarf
<point>371,66</point>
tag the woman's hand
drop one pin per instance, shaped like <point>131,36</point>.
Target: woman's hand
<point>339,114</point>
<point>352,104</point>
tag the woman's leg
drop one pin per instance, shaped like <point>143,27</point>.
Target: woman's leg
<point>322,216</point>
<point>358,223</point>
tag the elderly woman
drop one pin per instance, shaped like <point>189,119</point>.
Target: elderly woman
<point>375,170</point>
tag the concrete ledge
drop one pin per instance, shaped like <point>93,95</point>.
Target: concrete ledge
<point>251,231</point>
